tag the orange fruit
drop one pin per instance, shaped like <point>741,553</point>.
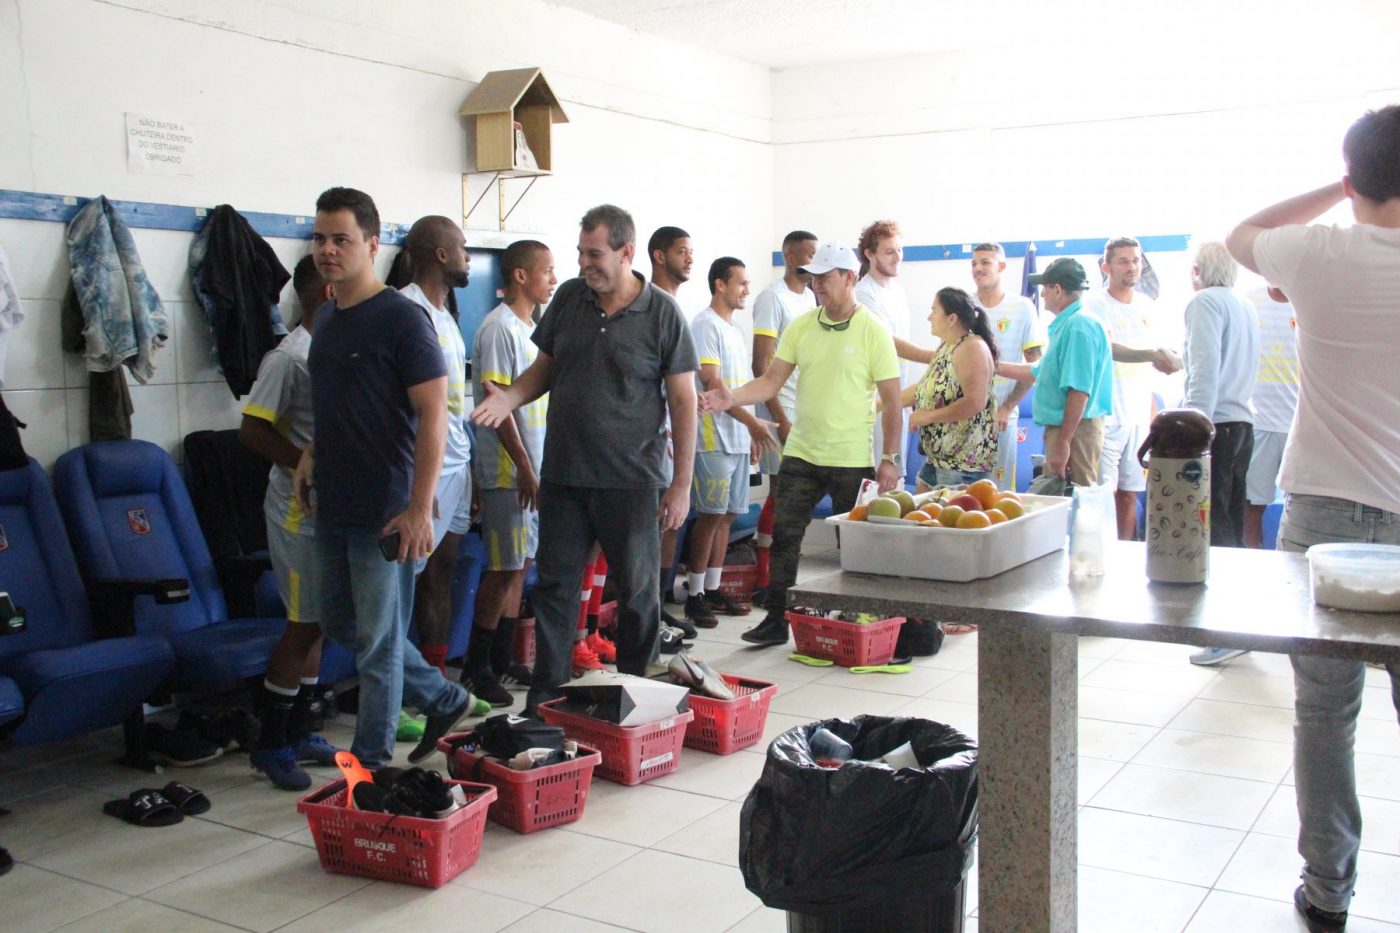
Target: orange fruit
<point>858,514</point>
<point>1012,508</point>
<point>997,516</point>
<point>974,520</point>
<point>926,520</point>
<point>1008,494</point>
<point>985,491</point>
<point>950,515</point>
<point>932,509</point>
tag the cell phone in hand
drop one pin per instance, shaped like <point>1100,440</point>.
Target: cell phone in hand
<point>389,546</point>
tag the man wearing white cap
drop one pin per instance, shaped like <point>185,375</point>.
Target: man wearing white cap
<point>843,356</point>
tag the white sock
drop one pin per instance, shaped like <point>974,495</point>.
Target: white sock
<point>697,583</point>
<point>712,576</point>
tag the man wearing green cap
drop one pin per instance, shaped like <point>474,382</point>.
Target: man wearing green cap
<point>1074,380</point>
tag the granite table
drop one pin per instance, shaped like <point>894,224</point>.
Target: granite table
<point>1027,683</point>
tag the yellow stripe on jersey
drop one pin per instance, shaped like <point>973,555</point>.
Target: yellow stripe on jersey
<point>261,413</point>
<point>709,361</point>
<point>765,332</point>
<point>295,516</point>
<point>498,378</point>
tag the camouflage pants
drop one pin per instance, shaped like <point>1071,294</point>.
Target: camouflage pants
<point>799,487</point>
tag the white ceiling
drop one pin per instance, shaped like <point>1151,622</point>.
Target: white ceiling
<point>787,33</point>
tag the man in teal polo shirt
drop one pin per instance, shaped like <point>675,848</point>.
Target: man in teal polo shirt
<point>1074,380</point>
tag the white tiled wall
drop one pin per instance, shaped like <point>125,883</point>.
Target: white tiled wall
<point>47,388</point>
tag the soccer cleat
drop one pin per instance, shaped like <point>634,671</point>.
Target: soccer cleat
<point>602,647</point>
<point>671,640</point>
<point>314,749</point>
<point>698,612</point>
<point>585,658</point>
<point>280,766</point>
<point>686,629</point>
<point>720,601</point>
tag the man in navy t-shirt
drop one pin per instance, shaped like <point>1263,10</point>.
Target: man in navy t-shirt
<point>379,397</point>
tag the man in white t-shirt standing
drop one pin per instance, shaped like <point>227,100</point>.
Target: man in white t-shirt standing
<point>776,307</point>
<point>506,468</point>
<point>1275,399</point>
<point>1127,313</point>
<point>1020,339</point>
<point>438,251</point>
<point>1341,468</point>
<point>881,250</point>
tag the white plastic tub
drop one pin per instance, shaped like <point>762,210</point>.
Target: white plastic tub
<point>928,552</point>
<point>1360,577</point>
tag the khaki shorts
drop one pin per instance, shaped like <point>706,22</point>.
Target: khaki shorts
<point>1085,449</point>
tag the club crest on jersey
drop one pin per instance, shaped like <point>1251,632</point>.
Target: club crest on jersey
<point>136,518</point>
<point>1003,324</point>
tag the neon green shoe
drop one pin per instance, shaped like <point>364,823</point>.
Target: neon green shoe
<point>480,707</point>
<point>410,727</point>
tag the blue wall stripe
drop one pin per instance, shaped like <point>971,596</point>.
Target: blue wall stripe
<point>1015,249</point>
<point>30,205</point>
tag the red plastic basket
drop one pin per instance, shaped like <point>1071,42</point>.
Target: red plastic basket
<point>846,643</point>
<point>527,800</point>
<point>523,647</point>
<point>631,754</point>
<point>407,849</point>
<point>739,581</point>
<point>725,726</point>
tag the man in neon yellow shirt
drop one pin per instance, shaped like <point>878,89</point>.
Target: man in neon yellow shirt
<point>843,357</point>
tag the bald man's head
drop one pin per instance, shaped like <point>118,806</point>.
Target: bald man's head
<point>438,251</point>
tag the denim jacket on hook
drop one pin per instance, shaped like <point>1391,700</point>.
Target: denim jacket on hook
<point>123,320</point>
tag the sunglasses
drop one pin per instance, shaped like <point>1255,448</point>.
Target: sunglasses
<point>837,327</point>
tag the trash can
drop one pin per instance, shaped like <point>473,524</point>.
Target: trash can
<point>864,846</point>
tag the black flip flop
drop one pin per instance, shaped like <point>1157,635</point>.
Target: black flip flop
<point>6,861</point>
<point>144,807</point>
<point>190,801</point>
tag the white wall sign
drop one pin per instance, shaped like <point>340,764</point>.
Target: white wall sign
<point>157,146</point>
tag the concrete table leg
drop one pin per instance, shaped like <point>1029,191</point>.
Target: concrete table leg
<point>1028,849</point>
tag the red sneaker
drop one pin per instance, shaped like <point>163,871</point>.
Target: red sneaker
<point>604,649</point>
<point>585,658</point>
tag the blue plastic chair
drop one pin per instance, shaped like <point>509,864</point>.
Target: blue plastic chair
<point>58,672</point>
<point>130,516</point>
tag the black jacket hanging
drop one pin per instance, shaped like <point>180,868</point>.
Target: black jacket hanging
<point>237,280</point>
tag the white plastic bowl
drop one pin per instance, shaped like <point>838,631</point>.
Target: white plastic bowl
<point>1360,577</point>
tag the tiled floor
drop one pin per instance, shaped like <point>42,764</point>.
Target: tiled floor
<point>1187,822</point>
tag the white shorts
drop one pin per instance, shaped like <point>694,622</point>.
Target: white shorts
<point>294,564</point>
<point>511,534</point>
<point>1118,464</point>
<point>1261,483</point>
<point>721,484</point>
<point>454,508</point>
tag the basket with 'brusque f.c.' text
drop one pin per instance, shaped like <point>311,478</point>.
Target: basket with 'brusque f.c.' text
<point>389,847</point>
<point>849,644</point>
<point>631,754</point>
<point>527,800</point>
<point>724,726</point>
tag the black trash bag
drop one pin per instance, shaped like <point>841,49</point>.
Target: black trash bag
<point>820,840</point>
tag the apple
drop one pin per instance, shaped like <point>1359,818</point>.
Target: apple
<point>966,502</point>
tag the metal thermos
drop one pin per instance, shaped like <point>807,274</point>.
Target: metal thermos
<point>1176,455</point>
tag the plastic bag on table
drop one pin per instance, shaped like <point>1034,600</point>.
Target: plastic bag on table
<point>820,840</point>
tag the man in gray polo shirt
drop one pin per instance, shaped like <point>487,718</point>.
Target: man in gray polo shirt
<point>609,344</point>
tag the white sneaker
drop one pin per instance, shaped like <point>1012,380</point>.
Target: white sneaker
<point>1208,656</point>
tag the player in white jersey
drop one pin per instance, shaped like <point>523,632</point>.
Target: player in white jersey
<point>726,442</point>
<point>881,250</point>
<point>1275,399</point>
<point>507,464</point>
<point>1127,314</point>
<point>278,424</point>
<point>438,252</point>
<point>1020,339</point>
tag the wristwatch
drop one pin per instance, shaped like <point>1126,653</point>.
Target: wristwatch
<point>894,458</point>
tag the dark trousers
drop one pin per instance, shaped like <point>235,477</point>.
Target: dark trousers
<point>800,486</point>
<point>623,521</point>
<point>1229,463</point>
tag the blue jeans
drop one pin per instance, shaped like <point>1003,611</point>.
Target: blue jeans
<point>932,476</point>
<point>366,604</point>
<point>1326,705</point>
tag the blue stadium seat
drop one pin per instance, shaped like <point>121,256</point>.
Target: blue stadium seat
<point>471,561</point>
<point>58,672</point>
<point>1273,515</point>
<point>129,516</point>
<point>11,701</point>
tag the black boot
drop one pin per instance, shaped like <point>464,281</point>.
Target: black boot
<point>478,673</point>
<point>773,630</point>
